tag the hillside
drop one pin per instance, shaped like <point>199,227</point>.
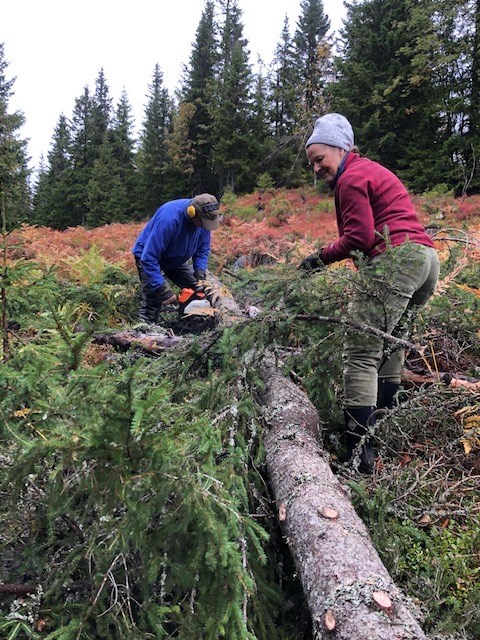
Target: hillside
<point>134,498</point>
<point>278,223</point>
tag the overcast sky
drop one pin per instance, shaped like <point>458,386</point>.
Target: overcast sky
<point>57,47</point>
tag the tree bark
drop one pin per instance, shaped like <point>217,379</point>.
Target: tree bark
<point>151,342</point>
<point>227,311</point>
<point>16,589</point>
<point>348,590</point>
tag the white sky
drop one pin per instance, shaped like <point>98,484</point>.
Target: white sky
<point>57,47</point>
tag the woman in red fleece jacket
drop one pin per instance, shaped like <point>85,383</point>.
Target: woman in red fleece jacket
<point>375,216</point>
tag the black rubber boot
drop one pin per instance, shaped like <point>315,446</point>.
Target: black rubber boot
<point>357,422</point>
<point>148,311</point>
<point>387,391</point>
<point>148,315</point>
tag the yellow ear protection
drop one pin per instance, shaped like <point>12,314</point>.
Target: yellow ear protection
<point>191,213</point>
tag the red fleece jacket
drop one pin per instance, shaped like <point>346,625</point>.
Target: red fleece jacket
<point>369,199</point>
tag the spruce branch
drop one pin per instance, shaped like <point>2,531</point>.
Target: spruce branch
<point>361,327</point>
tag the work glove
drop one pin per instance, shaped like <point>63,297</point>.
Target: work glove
<point>200,276</point>
<point>313,262</point>
<point>163,296</point>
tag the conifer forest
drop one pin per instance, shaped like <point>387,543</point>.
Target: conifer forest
<point>152,478</point>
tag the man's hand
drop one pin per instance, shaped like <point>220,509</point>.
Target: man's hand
<point>313,262</point>
<point>200,276</point>
<point>165,296</point>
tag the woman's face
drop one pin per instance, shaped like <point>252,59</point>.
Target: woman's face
<point>325,160</point>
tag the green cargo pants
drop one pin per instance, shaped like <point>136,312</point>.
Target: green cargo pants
<point>389,291</point>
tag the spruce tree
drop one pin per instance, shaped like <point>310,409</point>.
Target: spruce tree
<point>53,203</point>
<point>107,199</point>
<point>261,132</point>
<point>91,123</point>
<point>233,144</point>
<point>40,194</point>
<point>101,169</point>
<point>475,84</point>
<point>388,88</point>
<point>468,16</point>
<point>179,170</point>
<point>59,156</point>
<point>199,91</point>
<point>82,135</point>
<point>101,116</point>
<point>312,58</point>
<point>112,184</point>
<point>14,170</point>
<point>152,155</point>
<point>284,86</point>
<point>123,143</point>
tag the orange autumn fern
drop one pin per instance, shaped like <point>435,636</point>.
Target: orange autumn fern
<point>283,222</point>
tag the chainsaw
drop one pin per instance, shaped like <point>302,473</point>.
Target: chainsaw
<point>190,301</point>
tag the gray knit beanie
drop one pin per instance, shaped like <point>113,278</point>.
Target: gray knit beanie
<point>332,129</point>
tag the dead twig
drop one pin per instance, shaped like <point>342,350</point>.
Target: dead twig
<point>360,326</point>
<point>16,589</point>
<point>107,576</point>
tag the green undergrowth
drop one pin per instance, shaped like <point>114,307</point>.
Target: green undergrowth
<point>134,495</point>
<point>422,509</point>
<point>128,499</point>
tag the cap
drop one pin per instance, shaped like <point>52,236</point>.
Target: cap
<point>206,207</point>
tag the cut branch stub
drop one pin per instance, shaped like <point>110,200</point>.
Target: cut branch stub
<point>329,621</point>
<point>282,512</point>
<point>329,513</point>
<point>382,599</point>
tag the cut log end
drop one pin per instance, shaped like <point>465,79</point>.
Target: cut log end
<point>425,520</point>
<point>329,621</point>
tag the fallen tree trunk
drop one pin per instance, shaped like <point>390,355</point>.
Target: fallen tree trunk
<point>348,590</point>
<point>17,589</point>
<point>147,342</point>
<point>227,311</point>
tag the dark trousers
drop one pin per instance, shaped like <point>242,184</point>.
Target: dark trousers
<point>181,276</point>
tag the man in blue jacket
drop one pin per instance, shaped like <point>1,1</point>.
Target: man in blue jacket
<point>178,231</point>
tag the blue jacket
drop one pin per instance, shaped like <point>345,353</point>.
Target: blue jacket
<point>168,240</point>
